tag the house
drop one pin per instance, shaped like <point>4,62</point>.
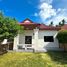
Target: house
<point>36,37</point>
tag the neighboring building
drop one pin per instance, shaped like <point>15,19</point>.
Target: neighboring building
<point>37,37</point>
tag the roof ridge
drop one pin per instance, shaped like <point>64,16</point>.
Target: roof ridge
<point>28,20</point>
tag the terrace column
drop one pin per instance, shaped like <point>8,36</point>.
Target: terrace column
<point>16,42</point>
<point>36,31</point>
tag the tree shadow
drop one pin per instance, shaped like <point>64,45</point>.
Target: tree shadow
<point>58,56</point>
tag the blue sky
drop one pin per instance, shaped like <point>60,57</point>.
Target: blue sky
<point>41,11</point>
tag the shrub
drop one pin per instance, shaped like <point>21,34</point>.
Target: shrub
<point>62,36</point>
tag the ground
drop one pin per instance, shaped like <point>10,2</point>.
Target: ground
<point>22,59</point>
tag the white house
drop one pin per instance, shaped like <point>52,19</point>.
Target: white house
<point>36,37</point>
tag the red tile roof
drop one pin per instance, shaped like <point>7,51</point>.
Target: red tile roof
<point>45,27</point>
<point>28,24</point>
<point>64,27</point>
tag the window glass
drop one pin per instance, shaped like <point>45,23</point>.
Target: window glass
<point>28,39</point>
<point>48,39</point>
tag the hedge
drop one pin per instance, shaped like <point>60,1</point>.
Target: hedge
<point>62,36</point>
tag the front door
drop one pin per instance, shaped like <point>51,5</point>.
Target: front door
<point>10,46</point>
<point>28,39</point>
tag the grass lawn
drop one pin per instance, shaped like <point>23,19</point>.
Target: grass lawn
<point>22,59</point>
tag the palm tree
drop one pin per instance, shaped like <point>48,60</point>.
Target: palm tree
<point>60,24</point>
<point>51,23</point>
<point>63,22</point>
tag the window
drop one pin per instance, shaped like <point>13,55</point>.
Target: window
<point>48,39</point>
<point>28,39</point>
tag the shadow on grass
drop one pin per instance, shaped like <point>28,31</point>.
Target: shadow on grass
<point>58,56</point>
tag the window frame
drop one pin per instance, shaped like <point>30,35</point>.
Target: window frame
<point>47,39</point>
<point>30,40</point>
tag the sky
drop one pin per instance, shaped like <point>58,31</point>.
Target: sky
<point>39,11</point>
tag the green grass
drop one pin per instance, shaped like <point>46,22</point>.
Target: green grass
<point>22,59</point>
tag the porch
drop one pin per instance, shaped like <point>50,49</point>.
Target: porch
<point>26,41</point>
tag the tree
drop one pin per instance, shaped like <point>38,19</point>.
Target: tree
<point>51,23</point>
<point>9,27</point>
<point>63,22</point>
<point>62,37</point>
<point>60,24</point>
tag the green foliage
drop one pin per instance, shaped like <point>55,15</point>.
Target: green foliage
<point>9,27</point>
<point>21,59</point>
<point>62,22</point>
<point>62,36</point>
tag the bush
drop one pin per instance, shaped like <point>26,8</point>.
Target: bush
<point>62,36</point>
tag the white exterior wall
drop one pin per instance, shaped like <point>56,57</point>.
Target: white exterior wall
<point>26,33</point>
<point>38,39</point>
<point>47,45</point>
<point>20,39</point>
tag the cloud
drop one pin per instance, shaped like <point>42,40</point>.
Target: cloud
<point>46,1</point>
<point>56,19</point>
<point>61,14</point>
<point>46,11</point>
